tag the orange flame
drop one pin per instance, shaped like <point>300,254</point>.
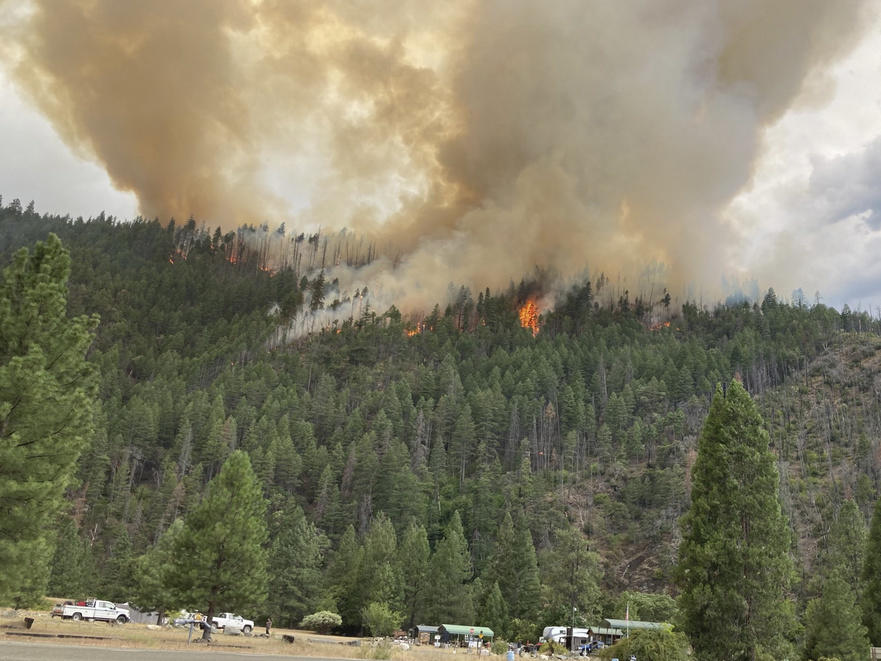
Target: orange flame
<point>416,330</point>
<point>660,325</point>
<point>528,313</point>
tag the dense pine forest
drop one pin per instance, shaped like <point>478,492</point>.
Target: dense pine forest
<point>454,467</point>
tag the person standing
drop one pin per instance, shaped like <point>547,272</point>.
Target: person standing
<point>268,626</point>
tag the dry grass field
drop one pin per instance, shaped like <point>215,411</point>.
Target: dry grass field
<point>46,629</point>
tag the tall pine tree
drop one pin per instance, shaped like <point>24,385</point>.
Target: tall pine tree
<point>47,394</point>
<point>220,560</point>
<point>449,593</point>
<point>734,564</point>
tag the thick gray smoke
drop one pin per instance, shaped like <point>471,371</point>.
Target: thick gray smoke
<point>477,140</point>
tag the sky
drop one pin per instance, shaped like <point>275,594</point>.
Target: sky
<point>709,146</point>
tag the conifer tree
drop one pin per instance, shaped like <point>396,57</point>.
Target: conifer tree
<point>219,556</point>
<point>414,555</point>
<point>344,578</point>
<point>871,601</point>
<point>449,592</point>
<point>151,574</point>
<point>734,565</point>
<point>47,393</point>
<point>845,547</point>
<point>832,624</point>
<point>381,575</point>
<point>492,611</point>
<point>570,577</point>
<point>514,566</point>
<point>296,558</point>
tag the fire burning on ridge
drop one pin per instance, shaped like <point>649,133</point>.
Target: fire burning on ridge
<point>529,313</point>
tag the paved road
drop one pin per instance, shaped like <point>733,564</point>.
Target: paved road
<point>16,651</point>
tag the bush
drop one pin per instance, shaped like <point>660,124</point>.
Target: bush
<point>380,620</point>
<point>499,646</point>
<point>655,644</point>
<point>322,621</point>
<point>550,647</point>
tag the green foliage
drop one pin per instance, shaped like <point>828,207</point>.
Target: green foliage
<point>734,564</point>
<point>380,620</point>
<point>492,610</point>
<point>550,647</point>
<point>833,624</point>
<point>206,345</point>
<point>296,562</point>
<point>219,558</point>
<point>322,622</point>
<point>871,598</point>
<point>449,594</point>
<point>152,573</point>
<point>73,570</point>
<point>571,573</point>
<point>524,630</point>
<point>499,646</point>
<point>47,392</point>
<point>415,556</point>
<point>650,644</point>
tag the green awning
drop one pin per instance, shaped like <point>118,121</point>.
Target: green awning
<point>467,630</point>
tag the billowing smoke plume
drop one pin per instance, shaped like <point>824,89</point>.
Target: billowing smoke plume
<point>474,141</point>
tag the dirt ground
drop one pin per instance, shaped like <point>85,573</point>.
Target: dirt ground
<point>48,630</point>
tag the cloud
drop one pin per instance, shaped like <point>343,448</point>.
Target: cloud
<point>848,185</point>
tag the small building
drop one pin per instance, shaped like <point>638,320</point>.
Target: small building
<point>424,634</point>
<point>465,635</point>
<point>606,635</point>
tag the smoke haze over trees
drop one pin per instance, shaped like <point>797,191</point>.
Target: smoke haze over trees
<point>483,139</point>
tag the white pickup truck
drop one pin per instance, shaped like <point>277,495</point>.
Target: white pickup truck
<point>96,609</point>
<point>233,621</point>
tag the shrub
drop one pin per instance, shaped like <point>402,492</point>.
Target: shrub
<point>499,646</point>
<point>655,644</point>
<point>322,621</point>
<point>550,647</point>
<point>380,619</point>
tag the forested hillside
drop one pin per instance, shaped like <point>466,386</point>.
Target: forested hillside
<point>454,466</point>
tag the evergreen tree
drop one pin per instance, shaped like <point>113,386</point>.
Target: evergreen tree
<point>47,393</point>
<point>570,577</point>
<point>449,595</point>
<point>151,574</point>
<point>871,601</point>
<point>296,559</point>
<point>344,579</point>
<point>381,575</point>
<point>414,555</point>
<point>492,611</point>
<point>846,546</point>
<point>514,566</point>
<point>219,555</point>
<point>832,624</point>
<point>73,567</point>
<point>734,565</point>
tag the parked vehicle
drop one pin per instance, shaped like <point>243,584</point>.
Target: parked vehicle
<point>95,609</point>
<point>223,620</point>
